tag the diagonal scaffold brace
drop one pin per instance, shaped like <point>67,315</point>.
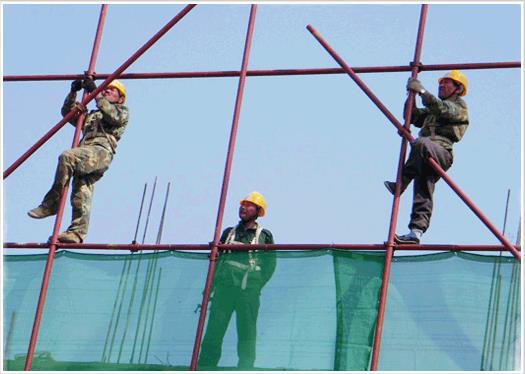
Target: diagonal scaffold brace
<point>406,134</point>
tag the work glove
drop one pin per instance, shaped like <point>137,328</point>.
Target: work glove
<point>76,85</point>
<point>89,84</point>
<point>415,85</point>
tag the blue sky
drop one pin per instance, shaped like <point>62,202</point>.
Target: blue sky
<point>315,146</point>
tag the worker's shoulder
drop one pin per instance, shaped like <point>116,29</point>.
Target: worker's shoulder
<point>268,235</point>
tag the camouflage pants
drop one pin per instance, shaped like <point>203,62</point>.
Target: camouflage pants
<point>86,164</point>
<point>425,179</point>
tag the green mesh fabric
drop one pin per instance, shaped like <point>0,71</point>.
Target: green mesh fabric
<point>452,311</point>
<point>315,311</point>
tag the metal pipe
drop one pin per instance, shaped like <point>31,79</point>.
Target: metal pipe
<point>99,89</point>
<point>140,213</point>
<point>271,72</point>
<point>403,132</point>
<point>224,190</point>
<point>395,203</point>
<point>61,205</point>
<point>473,207</point>
<point>251,247</point>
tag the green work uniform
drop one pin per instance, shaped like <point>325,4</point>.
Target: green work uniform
<point>239,279</point>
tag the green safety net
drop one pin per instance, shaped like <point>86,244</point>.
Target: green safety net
<point>288,310</point>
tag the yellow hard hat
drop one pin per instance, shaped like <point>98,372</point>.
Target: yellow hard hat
<point>457,77</point>
<point>121,89</point>
<point>258,199</point>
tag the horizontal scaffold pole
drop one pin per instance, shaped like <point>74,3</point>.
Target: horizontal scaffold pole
<point>406,134</point>
<point>249,247</point>
<point>91,96</point>
<point>270,72</point>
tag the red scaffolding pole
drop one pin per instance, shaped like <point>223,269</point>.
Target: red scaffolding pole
<point>70,115</point>
<point>271,72</point>
<point>60,212</point>
<point>224,190</point>
<point>395,203</point>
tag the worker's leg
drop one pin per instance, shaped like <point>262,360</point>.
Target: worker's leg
<point>221,311</point>
<point>247,311</point>
<point>424,184</point>
<point>77,161</point>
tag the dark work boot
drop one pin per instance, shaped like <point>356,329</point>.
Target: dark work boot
<point>68,237</point>
<point>390,186</point>
<point>41,211</point>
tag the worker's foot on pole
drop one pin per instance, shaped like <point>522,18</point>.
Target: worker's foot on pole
<point>68,237</point>
<point>41,211</point>
<point>413,237</point>
<point>390,186</point>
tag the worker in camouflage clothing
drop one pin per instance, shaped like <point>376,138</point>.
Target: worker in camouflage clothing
<point>443,122</point>
<point>86,163</point>
<point>237,286</point>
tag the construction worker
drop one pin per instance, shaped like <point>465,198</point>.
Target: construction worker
<point>443,122</point>
<point>237,286</point>
<point>102,129</point>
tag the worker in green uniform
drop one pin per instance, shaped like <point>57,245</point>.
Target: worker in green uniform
<point>443,122</point>
<point>239,279</point>
<point>86,164</point>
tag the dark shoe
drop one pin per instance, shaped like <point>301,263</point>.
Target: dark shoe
<point>390,186</point>
<point>41,211</point>
<point>69,237</point>
<point>406,239</point>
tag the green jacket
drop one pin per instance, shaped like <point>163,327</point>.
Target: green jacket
<point>444,121</point>
<point>102,127</point>
<point>247,270</point>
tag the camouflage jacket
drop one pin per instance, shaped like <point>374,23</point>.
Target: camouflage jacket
<point>102,127</point>
<point>444,121</point>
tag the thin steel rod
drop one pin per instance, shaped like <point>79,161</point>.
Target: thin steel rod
<point>246,247</point>
<point>163,215</point>
<point>149,211</point>
<point>403,132</point>
<point>155,303</point>
<point>271,72</point>
<point>140,213</point>
<point>395,203</point>
<point>224,190</point>
<point>507,324</point>
<point>506,213</point>
<point>61,205</point>
<point>99,89</point>
<point>146,281</point>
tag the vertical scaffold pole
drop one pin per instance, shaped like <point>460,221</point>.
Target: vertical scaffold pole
<point>395,203</point>
<point>60,212</point>
<point>224,191</point>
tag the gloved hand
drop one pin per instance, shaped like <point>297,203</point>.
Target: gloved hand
<point>415,85</point>
<point>89,84</point>
<point>76,85</point>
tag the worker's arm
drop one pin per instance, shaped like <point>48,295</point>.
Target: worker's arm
<point>269,258</point>
<point>114,114</point>
<point>447,109</point>
<point>70,101</point>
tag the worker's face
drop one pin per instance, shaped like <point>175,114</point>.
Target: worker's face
<point>248,211</point>
<point>447,88</point>
<point>112,95</point>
